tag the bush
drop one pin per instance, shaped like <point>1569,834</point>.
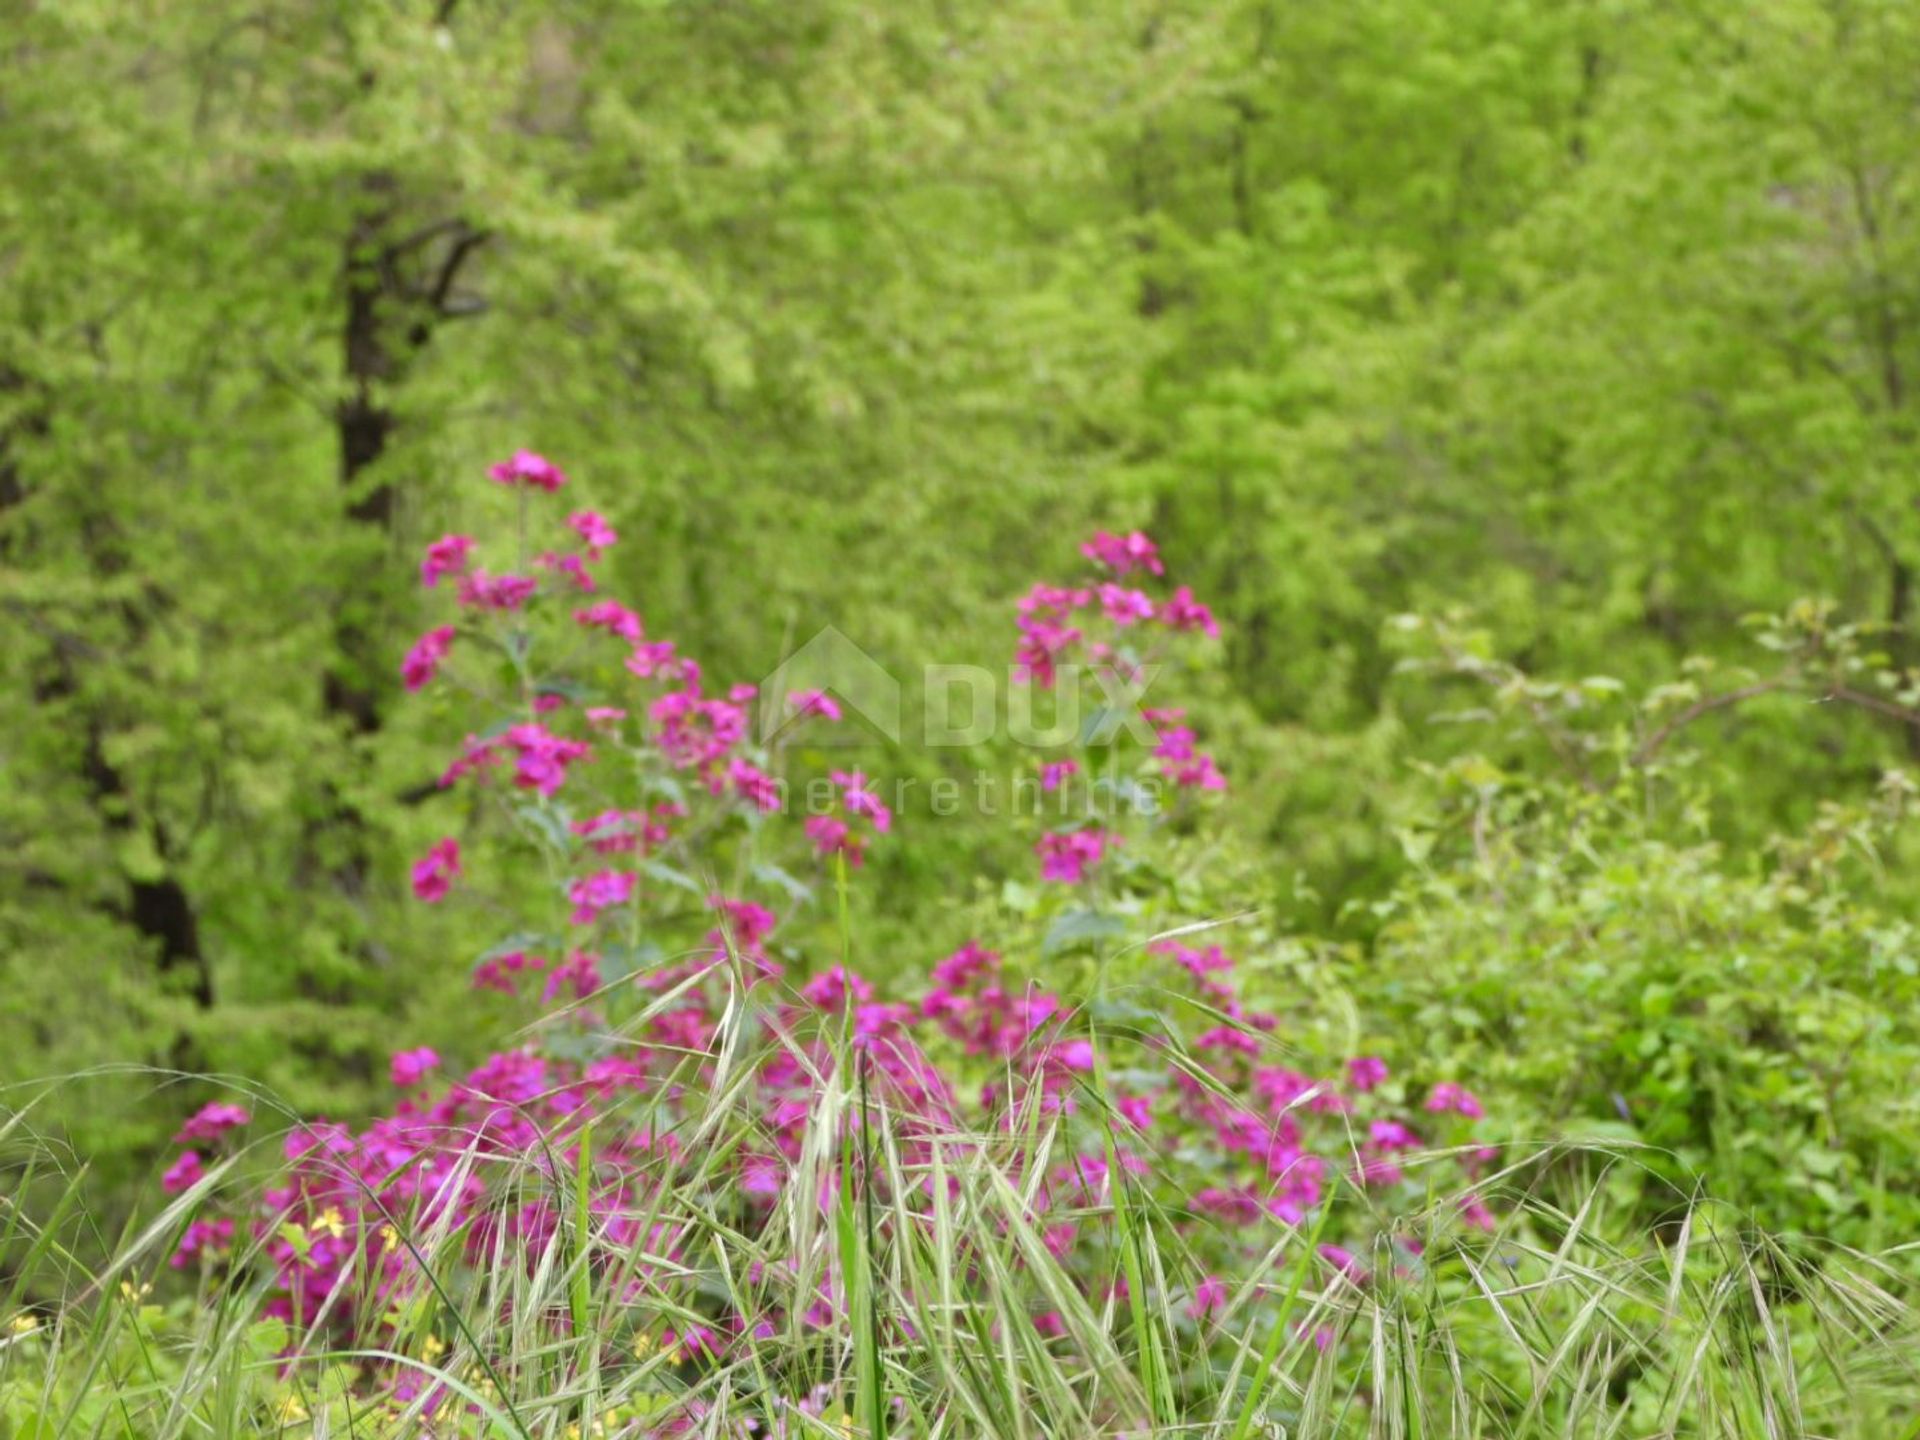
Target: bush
<point>689,1075</point>
<point>1087,1179</point>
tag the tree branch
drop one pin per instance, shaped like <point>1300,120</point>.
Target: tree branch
<point>1705,705</point>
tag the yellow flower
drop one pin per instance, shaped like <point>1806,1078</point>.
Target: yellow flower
<point>389,1240</point>
<point>133,1295</point>
<point>643,1346</point>
<point>291,1411</point>
<point>433,1347</point>
<point>23,1324</point>
<point>331,1223</point>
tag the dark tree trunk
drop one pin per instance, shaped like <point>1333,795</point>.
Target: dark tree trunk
<point>397,289</point>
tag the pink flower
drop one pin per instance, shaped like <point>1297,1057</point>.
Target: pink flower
<point>814,702</point>
<point>859,800</point>
<point>529,469</point>
<point>1366,1072</point>
<point>1230,1038</point>
<point>1197,963</point>
<point>829,991</point>
<point>498,972</point>
<point>579,972</point>
<point>409,1067</point>
<point>422,662</point>
<point>211,1121</point>
<point>1053,602</point>
<point>611,616</point>
<point>654,659</point>
<point>599,892</point>
<point>479,756</point>
<point>1197,773</point>
<point>832,835</point>
<point>1183,612</point>
<point>445,556</point>
<point>1209,1298</point>
<point>1123,606</point>
<point>1173,742</point>
<point>574,567</point>
<point>1054,773</point>
<point>1066,856</point>
<point>965,965</point>
<point>1344,1261</point>
<point>542,757</point>
<point>1042,643</point>
<point>433,873</point>
<point>1238,1207</point>
<point>183,1173</point>
<point>481,591</point>
<point>1045,634</point>
<point>1391,1135</point>
<point>754,785</point>
<point>1136,1109</point>
<point>1449,1096</point>
<point>594,531</point>
<point>202,1237</point>
<point>609,832</point>
<point>622,832</point>
<point>1122,553</point>
<point>696,732</point>
<point>605,716</point>
<point>1072,1055</point>
<point>747,922</point>
<point>762,1175</point>
<point>1376,1170</point>
<point>742,932</point>
<point>698,1342</point>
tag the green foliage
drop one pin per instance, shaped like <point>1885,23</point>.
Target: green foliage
<point>1561,1330</point>
<point>1597,318</point>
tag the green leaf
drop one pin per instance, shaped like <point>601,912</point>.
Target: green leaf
<point>1081,927</point>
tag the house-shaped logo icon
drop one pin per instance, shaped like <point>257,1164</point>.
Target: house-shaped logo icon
<point>833,663</point>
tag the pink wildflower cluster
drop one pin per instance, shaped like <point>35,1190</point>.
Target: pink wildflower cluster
<point>1067,856</point>
<point>528,469</point>
<point>860,814</point>
<point>634,778</point>
<point>1050,631</point>
<point>1095,625</point>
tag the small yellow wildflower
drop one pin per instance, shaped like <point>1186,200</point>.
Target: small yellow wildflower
<point>482,1382</point>
<point>291,1411</point>
<point>433,1347</point>
<point>330,1223</point>
<point>132,1294</point>
<point>25,1323</point>
<point>389,1240</point>
<point>643,1346</point>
